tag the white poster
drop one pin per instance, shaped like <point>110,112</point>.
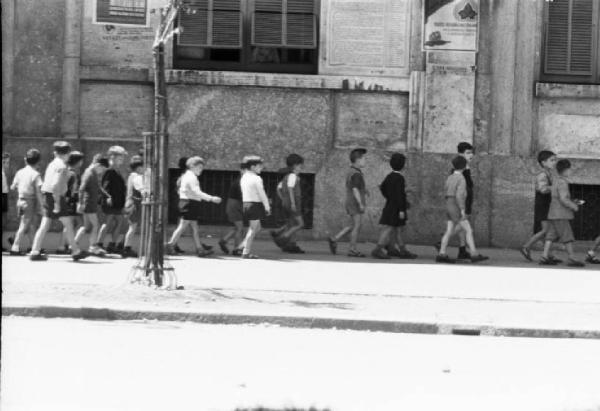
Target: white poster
<point>451,25</point>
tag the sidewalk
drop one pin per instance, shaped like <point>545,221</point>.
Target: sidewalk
<point>318,290</point>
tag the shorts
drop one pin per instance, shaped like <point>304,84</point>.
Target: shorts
<point>452,211</point>
<point>111,210</point>
<point>234,210</point>
<point>190,210</point>
<point>352,208</point>
<point>89,207</point>
<point>134,213</point>
<point>560,231</point>
<point>48,207</point>
<point>4,202</point>
<point>27,207</point>
<point>540,210</point>
<point>254,211</point>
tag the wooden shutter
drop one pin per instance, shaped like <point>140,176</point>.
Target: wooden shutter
<point>284,23</point>
<point>211,23</point>
<point>569,37</point>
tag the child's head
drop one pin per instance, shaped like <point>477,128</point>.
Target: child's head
<point>195,164</point>
<point>183,163</point>
<point>100,163</point>
<point>33,157</point>
<point>294,163</point>
<point>397,161</point>
<point>466,150</point>
<point>5,160</point>
<point>75,159</point>
<point>61,150</point>
<point>459,163</point>
<point>357,157</point>
<point>563,167</point>
<point>116,156</point>
<point>253,163</point>
<point>136,164</point>
<point>547,159</point>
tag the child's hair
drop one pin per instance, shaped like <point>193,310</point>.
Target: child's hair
<point>459,163</point>
<point>243,166</point>
<point>117,151</point>
<point>74,158</point>
<point>293,160</point>
<point>356,154</point>
<point>33,156</point>
<point>562,165</point>
<point>251,161</point>
<point>544,155</point>
<point>61,147</point>
<point>100,159</point>
<point>464,146</point>
<point>194,161</point>
<point>182,163</point>
<point>397,161</point>
<point>135,162</point>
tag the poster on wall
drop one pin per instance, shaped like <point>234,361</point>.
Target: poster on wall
<point>451,25</point>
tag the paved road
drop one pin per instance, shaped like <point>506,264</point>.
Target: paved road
<point>77,365</point>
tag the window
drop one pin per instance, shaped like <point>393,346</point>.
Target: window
<point>571,41</point>
<point>125,12</point>
<point>277,36</point>
<point>586,225</point>
<point>217,182</point>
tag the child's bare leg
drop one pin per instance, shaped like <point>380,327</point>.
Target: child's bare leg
<point>296,224</point>
<point>570,250</point>
<point>239,231</point>
<point>130,234</point>
<point>117,232</point>
<point>196,236</point>
<point>399,237</point>
<point>469,236</point>
<point>105,228</point>
<point>547,247</point>
<point>384,236</point>
<point>446,238</point>
<point>539,236</point>
<point>38,239</point>
<point>23,228</point>
<point>85,227</point>
<point>252,231</point>
<point>357,222</point>
<point>342,233</point>
<point>68,224</point>
<point>183,224</point>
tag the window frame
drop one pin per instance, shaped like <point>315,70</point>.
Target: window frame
<point>95,17</point>
<point>593,78</point>
<point>245,64</point>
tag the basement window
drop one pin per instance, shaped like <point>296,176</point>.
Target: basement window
<point>586,225</point>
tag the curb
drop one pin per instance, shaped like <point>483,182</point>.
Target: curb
<point>107,314</point>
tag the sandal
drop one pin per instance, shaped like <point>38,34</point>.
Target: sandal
<point>526,253</point>
<point>592,259</point>
<point>332,246</point>
<point>355,253</point>
<point>250,257</point>
<point>223,245</point>
<point>547,261</point>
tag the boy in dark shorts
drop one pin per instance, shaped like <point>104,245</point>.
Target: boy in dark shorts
<point>133,203</point>
<point>255,202</point>
<point>235,214</point>
<point>190,196</point>
<point>74,163</point>
<point>466,150</point>
<point>114,191</point>
<point>28,184</point>
<point>543,198</point>
<point>54,204</point>
<point>591,254</point>
<point>291,198</point>
<point>394,214</point>
<point>560,214</point>
<point>456,196</point>
<point>5,166</point>
<point>355,203</point>
<point>89,196</point>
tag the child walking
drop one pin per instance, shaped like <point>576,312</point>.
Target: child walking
<point>235,214</point>
<point>543,197</point>
<point>113,200</point>
<point>561,211</point>
<point>74,163</point>
<point>394,214</point>
<point>28,184</point>
<point>591,254</point>
<point>133,203</point>
<point>456,195</point>
<point>291,197</point>
<point>54,204</point>
<point>355,203</point>
<point>255,202</point>
<point>5,166</point>
<point>89,196</point>
<point>190,196</point>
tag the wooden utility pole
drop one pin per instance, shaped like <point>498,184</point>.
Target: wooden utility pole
<point>151,268</point>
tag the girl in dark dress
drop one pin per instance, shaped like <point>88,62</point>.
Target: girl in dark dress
<point>393,217</point>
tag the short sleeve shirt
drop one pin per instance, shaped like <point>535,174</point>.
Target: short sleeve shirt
<point>25,182</point>
<point>355,179</point>
<point>55,175</point>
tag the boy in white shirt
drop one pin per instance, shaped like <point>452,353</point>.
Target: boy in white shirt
<point>133,203</point>
<point>255,202</point>
<point>27,182</point>
<point>190,196</point>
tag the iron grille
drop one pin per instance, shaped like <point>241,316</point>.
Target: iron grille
<point>586,224</point>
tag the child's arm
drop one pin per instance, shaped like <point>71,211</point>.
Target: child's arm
<point>461,195</point>
<point>199,195</point>
<point>402,197</point>
<point>38,194</point>
<point>357,196</point>
<point>291,192</point>
<point>15,182</point>
<point>260,187</point>
<point>564,196</point>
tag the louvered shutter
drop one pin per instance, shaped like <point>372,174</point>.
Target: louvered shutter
<point>569,37</point>
<point>211,23</point>
<point>284,23</point>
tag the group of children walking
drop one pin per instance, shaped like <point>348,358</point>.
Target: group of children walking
<point>76,201</point>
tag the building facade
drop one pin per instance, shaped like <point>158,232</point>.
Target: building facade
<point>318,78</point>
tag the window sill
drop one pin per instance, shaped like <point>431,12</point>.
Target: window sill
<point>301,81</point>
<point>561,90</point>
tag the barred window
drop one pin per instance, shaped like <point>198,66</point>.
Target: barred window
<point>248,35</point>
<point>130,12</point>
<point>571,41</point>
